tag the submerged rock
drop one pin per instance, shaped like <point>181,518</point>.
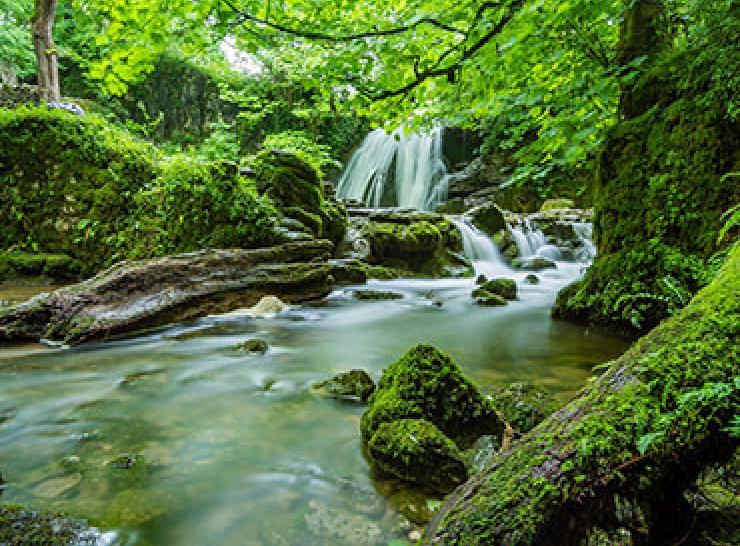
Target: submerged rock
<point>524,405</point>
<point>258,346</point>
<point>425,386</point>
<point>21,527</point>
<point>506,288</point>
<point>135,295</point>
<point>533,263</point>
<point>376,295</point>
<point>354,385</point>
<point>486,298</point>
<point>343,527</point>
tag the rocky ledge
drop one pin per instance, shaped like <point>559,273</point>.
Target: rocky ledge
<point>135,295</point>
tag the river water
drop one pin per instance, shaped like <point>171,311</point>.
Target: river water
<point>234,449</point>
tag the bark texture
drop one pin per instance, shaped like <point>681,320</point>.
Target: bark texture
<point>134,295</point>
<point>47,70</point>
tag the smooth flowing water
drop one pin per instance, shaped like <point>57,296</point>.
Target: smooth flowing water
<point>234,449</point>
<point>418,181</point>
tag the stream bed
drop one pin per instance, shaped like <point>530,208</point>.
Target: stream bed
<point>175,438</point>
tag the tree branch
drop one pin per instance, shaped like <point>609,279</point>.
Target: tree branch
<point>436,71</point>
<point>310,35</point>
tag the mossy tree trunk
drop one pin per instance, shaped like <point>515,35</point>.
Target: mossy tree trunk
<point>47,71</point>
<point>643,33</point>
<point>620,454</point>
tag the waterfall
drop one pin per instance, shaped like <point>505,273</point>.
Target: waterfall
<point>584,232</point>
<point>420,178</point>
<point>479,249</point>
<point>531,241</point>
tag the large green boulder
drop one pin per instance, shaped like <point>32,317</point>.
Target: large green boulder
<point>416,451</point>
<point>423,245</point>
<point>296,187</point>
<point>426,383</point>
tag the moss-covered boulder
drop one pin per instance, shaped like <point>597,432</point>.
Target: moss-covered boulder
<point>488,218</point>
<point>354,385</point>
<point>297,188</point>
<point>80,187</point>
<point>429,246</point>
<point>506,288</point>
<point>416,451</point>
<point>524,405</point>
<point>425,383</point>
<point>635,437</point>
<point>253,346</point>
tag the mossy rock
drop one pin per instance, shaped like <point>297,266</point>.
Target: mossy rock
<point>253,346</point>
<point>524,405</point>
<point>557,204</point>
<point>376,295</point>
<point>354,385</point>
<point>425,383</point>
<point>488,218</point>
<point>533,264</point>
<point>416,451</point>
<point>22,527</point>
<point>349,271</point>
<point>532,279</point>
<point>288,180</point>
<point>482,297</point>
<point>59,267</point>
<point>506,288</point>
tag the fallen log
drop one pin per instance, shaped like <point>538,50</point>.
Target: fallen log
<point>620,455</point>
<point>135,295</point>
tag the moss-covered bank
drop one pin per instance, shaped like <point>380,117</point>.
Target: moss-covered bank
<point>664,180</point>
<point>91,194</point>
<point>620,455</point>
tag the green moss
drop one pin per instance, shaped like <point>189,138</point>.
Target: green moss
<point>59,267</point>
<point>21,527</point>
<point>426,383</point>
<point>640,431</point>
<point>416,451</point>
<point>659,195</point>
<point>351,385</point>
<point>506,288</point>
<point>524,405</point>
<point>76,186</point>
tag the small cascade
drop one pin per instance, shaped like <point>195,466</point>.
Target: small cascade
<point>530,241</point>
<point>479,249</point>
<point>420,178</point>
<point>584,232</point>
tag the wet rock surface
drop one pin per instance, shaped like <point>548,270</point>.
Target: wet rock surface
<point>423,412</point>
<point>354,386</point>
<point>135,295</point>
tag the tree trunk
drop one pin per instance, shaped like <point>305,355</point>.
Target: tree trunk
<point>644,32</point>
<point>46,53</point>
<point>618,457</point>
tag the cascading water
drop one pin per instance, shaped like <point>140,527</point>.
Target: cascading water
<point>529,240</point>
<point>479,249</point>
<point>584,232</point>
<point>420,177</point>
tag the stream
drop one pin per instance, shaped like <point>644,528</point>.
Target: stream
<point>234,449</point>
